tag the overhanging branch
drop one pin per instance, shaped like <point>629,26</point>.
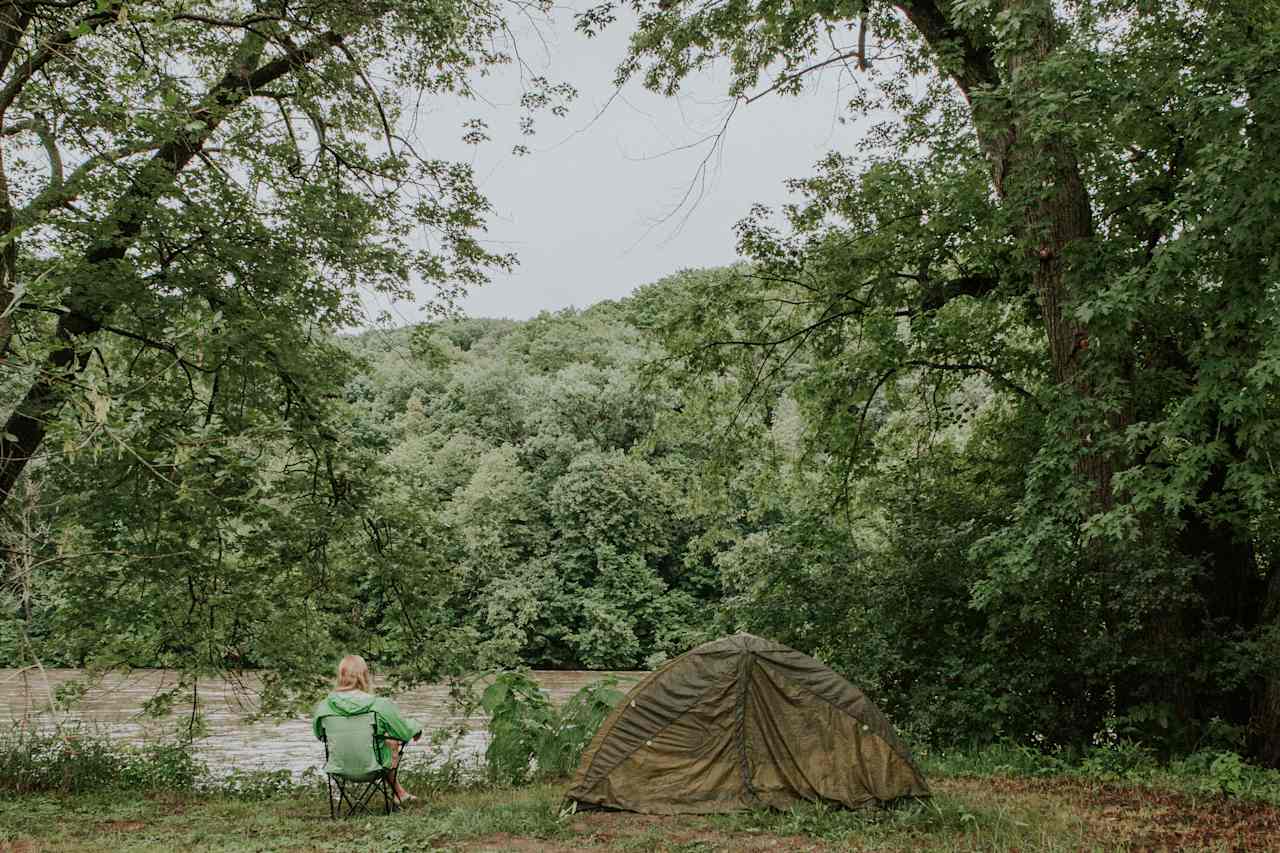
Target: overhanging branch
<point>977,367</point>
<point>57,45</point>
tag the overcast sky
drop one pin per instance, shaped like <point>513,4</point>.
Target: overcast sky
<point>595,209</point>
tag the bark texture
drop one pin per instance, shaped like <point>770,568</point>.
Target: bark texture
<point>1265,728</point>
<point>1038,178</point>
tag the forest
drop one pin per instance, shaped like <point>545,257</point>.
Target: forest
<point>568,492</point>
<point>987,418</point>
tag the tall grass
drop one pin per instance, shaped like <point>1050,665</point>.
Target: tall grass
<point>71,759</point>
<point>1210,772</point>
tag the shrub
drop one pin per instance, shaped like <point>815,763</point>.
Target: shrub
<point>257,784</point>
<point>529,738</point>
<point>1217,771</point>
<point>71,759</point>
<point>1122,761</point>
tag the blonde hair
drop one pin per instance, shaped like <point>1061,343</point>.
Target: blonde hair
<point>353,674</point>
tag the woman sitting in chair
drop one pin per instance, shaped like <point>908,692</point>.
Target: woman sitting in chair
<point>351,696</point>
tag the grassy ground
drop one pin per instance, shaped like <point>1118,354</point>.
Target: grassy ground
<point>966,813</point>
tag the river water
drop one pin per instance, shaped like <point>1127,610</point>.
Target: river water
<point>113,707</point>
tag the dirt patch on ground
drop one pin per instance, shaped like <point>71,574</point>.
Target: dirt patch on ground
<point>17,846</point>
<point>605,829</point>
<point>502,841</point>
<point>1125,817</point>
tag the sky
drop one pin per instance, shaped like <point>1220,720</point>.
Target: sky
<point>610,197</point>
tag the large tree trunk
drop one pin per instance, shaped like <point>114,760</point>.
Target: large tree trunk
<point>1265,722</point>
<point>1039,179</point>
<point>1040,182</point>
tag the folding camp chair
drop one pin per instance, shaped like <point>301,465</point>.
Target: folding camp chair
<point>352,769</point>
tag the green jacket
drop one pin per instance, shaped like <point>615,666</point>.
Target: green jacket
<point>349,703</point>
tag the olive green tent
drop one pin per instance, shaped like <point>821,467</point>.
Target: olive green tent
<point>740,723</point>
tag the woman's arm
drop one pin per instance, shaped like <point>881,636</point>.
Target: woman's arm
<point>317,715</point>
<point>394,725</point>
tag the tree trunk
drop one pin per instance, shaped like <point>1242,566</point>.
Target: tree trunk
<point>1041,180</point>
<point>14,20</point>
<point>1265,722</point>
<point>25,429</point>
<point>8,263</point>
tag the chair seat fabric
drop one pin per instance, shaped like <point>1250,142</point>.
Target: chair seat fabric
<point>353,703</point>
<point>353,765</point>
<point>351,746</point>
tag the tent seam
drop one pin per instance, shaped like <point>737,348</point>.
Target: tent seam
<point>907,758</point>
<point>740,723</point>
<point>587,776</point>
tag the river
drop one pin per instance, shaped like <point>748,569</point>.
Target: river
<point>113,707</point>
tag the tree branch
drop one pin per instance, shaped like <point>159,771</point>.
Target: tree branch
<point>377,101</point>
<point>60,192</point>
<point>974,367</point>
<point>24,430</point>
<point>152,343</point>
<point>14,20</point>
<point>788,78</point>
<point>40,127</point>
<point>935,297</point>
<point>55,46</point>
<point>977,67</point>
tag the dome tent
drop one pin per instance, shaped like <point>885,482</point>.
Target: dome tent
<point>740,723</point>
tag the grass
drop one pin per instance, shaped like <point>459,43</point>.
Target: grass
<point>295,821</point>
<point>966,813</point>
<point>69,793</point>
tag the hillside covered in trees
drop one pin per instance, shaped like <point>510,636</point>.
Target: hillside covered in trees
<point>988,417</point>
<point>603,489</point>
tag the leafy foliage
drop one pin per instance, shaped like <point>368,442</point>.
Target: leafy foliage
<point>531,739</point>
<point>192,203</point>
<point>1022,279</point>
<point>987,420</point>
<point>73,760</point>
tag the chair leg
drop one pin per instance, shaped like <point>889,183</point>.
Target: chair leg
<point>354,803</point>
<point>358,799</point>
<point>365,800</point>
<point>346,803</point>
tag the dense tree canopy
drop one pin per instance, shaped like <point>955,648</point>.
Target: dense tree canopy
<point>193,198</point>
<point>988,419</point>
<point>503,502</point>
<point>1076,205</point>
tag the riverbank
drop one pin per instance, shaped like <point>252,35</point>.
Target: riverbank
<point>72,793</point>
<point>111,706</point>
<point>1002,812</point>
